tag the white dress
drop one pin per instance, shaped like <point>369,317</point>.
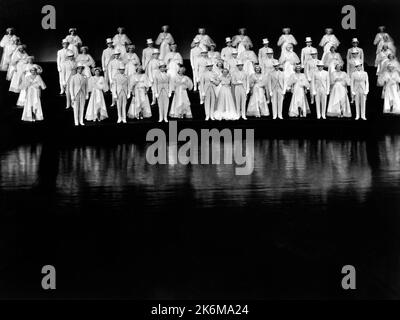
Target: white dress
<point>96,109</point>
<point>241,41</point>
<point>391,94</point>
<point>22,94</point>
<point>299,83</point>
<point>132,62</point>
<point>33,107</point>
<point>15,58</point>
<point>140,105</point>
<point>180,106</point>
<point>88,62</point>
<point>225,107</point>
<point>8,45</point>
<point>339,104</point>
<point>164,40</point>
<point>120,41</point>
<point>74,43</point>
<point>289,60</point>
<point>248,58</point>
<point>284,41</point>
<point>173,61</point>
<point>258,105</point>
<point>17,77</point>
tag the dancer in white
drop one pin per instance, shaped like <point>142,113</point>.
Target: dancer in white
<point>207,88</point>
<point>285,40</point>
<point>96,109</point>
<point>359,85</point>
<point>307,51</point>
<point>151,69</point>
<point>86,59</point>
<point>311,65</point>
<point>74,41</point>
<point>33,84</point>
<point>263,52</point>
<point>339,104</point>
<point>26,71</point>
<point>225,107</point>
<point>241,41</point>
<point>195,54</point>
<point>258,103</point>
<point>147,53</point>
<point>140,105</point>
<point>121,40</point>
<point>67,69</point>
<point>204,39</point>
<point>320,87</point>
<point>298,84</point>
<point>162,82</point>
<point>8,43</point>
<point>328,40</point>
<point>289,60</point>
<point>331,59</point>
<point>276,89</point>
<point>174,61</point>
<point>121,92</point>
<point>391,94</point>
<point>180,107</point>
<point>61,58</point>
<point>249,58</point>
<point>18,55</point>
<point>241,88</point>
<point>267,63</point>
<point>164,40</point>
<point>131,61</point>
<point>382,38</point>
<point>213,55</point>
<point>355,44</point>
<point>352,63</point>
<point>106,57</point>
<point>78,89</point>
<point>226,53</point>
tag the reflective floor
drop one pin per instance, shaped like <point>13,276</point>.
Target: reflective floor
<point>115,226</point>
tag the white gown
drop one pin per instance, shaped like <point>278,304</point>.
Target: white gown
<point>96,109</point>
<point>88,62</point>
<point>164,40</point>
<point>7,43</point>
<point>173,61</point>
<point>258,105</point>
<point>339,104</point>
<point>140,105</point>
<point>391,93</point>
<point>74,42</point>
<point>225,107</point>
<point>33,106</point>
<point>180,106</point>
<point>298,82</point>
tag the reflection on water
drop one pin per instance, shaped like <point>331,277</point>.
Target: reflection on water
<point>311,167</point>
<point>309,207</point>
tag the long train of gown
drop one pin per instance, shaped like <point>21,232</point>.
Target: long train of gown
<point>225,107</point>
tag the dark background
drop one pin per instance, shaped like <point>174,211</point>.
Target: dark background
<point>97,20</point>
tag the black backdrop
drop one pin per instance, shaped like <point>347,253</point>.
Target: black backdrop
<point>97,20</point>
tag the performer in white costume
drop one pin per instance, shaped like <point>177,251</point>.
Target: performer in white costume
<point>285,40</point>
<point>226,53</point>
<point>218,68</point>
<point>267,63</point>
<point>174,61</point>
<point>307,51</point>
<point>162,82</point>
<point>231,64</point>
<point>106,57</point>
<point>258,103</point>
<point>207,88</point>
<point>61,58</point>
<point>78,90</point>
<point>96,109</point>
<point>381,57</point>
<point>74,41</point>
<point>331,59</point>
<point>86,59</point>
<point>359,85</point>
<point>26,71</point>
<point>241,41</point>
<point>17,56</point>
<point>147,53</point>
<point>33,84</point>
<point>339,105</point>
<point>151,69</point>
<point>288,61</point>
<point>249,58</point>
<point>68,67</point>
<point>355,43</point>
<point>311,65</point>
<point>276,90</point>
<point>164,40</point>
<point>113,65</point>
<point>131,61</point>
<point>382,38</point>
<point>298,85</point>
<point>19,74</point>
<point>320,87</point>
<point>225,106</point>
<point>391,94</point>
<point>121,40</point>
<point>241,88</point>
<point>121,92</point>
<point>328,40</point>
<point>204,40</point>
<point>353,61</point>
<point>213,55</point>
<point>263,52</point>
<point>180,107</point>
<point>195,54</point>
<point>8,43</point>
<point>140,105</point>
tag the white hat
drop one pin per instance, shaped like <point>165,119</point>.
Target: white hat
<point>270,50</point>
<point>116,51</point>
<point>80,65</point>
<point>10,29</point>
<point>209,63</point>
<point>358,62</point>
<point>109,40</point>
<point>355,40</point>
<point>204,51</point>
<point>265,41</point>
<point>234,51</point>
<point>70,53</point>
<point>156,51</point>
<point>162,64</point>
<point>121,66</point>
<point>239,63</point>
<point>149,41</point>
<point>228,39</point>
<point>314,51</point>
<point>308,39</point>
<point>65,41</point>
<point>298,66</point>
<point>320,63</point>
